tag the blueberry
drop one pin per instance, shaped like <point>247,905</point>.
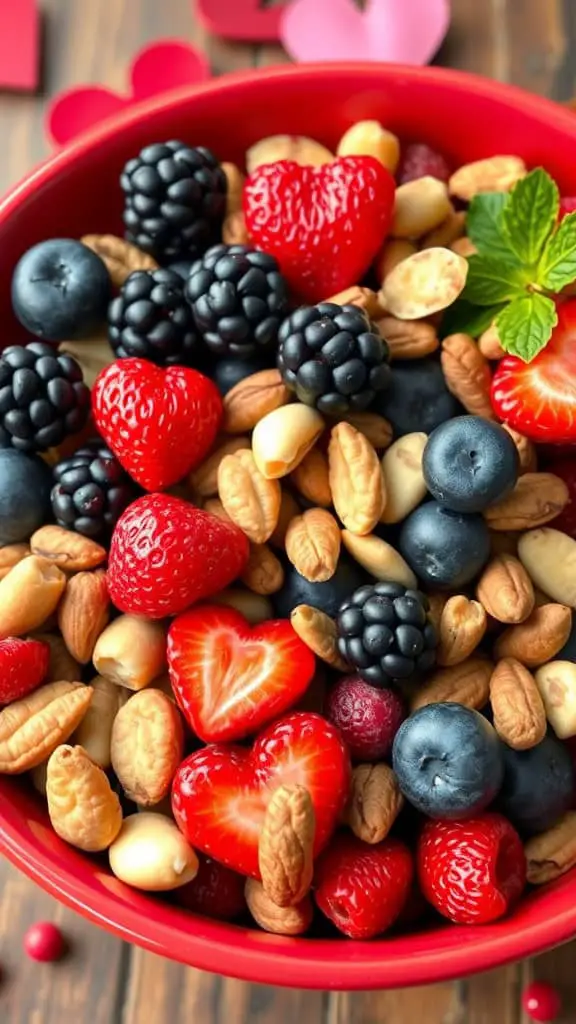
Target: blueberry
<point>25,484</point>
<point>326,596</point>
<point>60,289</point>
<point>228,372</point>
<point>469,463</point>
<point>445,549</point>
<point>417,398</point>
<point>448,761</point>
<point>539,785</point>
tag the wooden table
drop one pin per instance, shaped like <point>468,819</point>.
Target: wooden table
<point>103,981</point>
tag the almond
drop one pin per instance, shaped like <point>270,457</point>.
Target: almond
<point>29,594</point>
<point>536,499</point>
<point>83,613</point>
<point>375,802</point>
<point>311,478</point>
<point>505,589</point>
<point>10,555</point>
<point>284,437</point>
<point>467,684</point>
<point>467,374</point>
<point>313,545</point>
<point>286,844</point>
<point>369,138</point>
<point>408,339</point>
<point>204,479</point>
<point>263,573</point>
<point>251,500</point>
<point>379,558</point>
<point>252,399</point>
<point>403,477</point>
<point>539,638</point>
<point>356,479</point>
<point>462,626</point>
<point>420,206</point>
<point>493,174</point>
<point>519,715</point>
<point>556,683</point>
<point>69,550</point>
<point>298,148</point>
<point>131,651</point>
<point>318,631</point>
<point>31,728</point>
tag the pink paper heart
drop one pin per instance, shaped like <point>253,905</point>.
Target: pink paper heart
<point>19,45</point>
<point>155,69</point>
<point>399,31</point>
<point>242,20</point>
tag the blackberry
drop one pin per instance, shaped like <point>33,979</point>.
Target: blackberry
<point>151,319</point>
<point>333,357</point>
<point>175,200</point>
<point>239,299</point>
<point>43,397</point>
<point>91,490</point>
<point>384,633</point>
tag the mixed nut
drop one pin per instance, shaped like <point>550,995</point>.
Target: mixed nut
<point>331,518</point>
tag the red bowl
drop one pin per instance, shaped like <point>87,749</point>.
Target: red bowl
<point>77,192</point>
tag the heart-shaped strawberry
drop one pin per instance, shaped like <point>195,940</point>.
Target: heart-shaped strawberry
<point>165,554</point>
<point>159,423</point>
<point>323,224</point>
<point>230,679</point>
<point>220,793</point>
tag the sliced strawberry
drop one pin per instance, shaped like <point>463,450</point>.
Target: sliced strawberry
<point>220,793</point>
<point>230,679</point>
<point>23,666</point>
<point>539,398</point>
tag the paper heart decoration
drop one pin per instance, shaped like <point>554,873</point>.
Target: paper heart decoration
<point>400,31</point>
<point>158,68</point>
<point>247,20</point>
<point>19,45</point>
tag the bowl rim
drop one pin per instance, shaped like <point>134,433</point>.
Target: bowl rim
<point>246,953</point>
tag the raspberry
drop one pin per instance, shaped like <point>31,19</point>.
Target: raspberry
<point>367,718</point>
<point>215,892</point>
<point>362,889</point>
<point>471,871</point>
<point>419,160</point>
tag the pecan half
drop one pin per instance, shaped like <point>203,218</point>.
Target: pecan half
<point>462,626</point>
<point>311,478</point>
<point>251,399</point>
<point>318,631</point>
<point>553,853</point>
<point>375,802</point>
<point>120,257</point>
<point>539,638</point>
<point>408,339</point>
<point>285,849</point>
<point>83,808</point>
<point>274,919</point>
<point>505,589</point>
<point>31,728</point>
<point>536,499</point>
<point>519,714</point>
<point>467,374</point>
<point>250,499</point>
<point>467,684</point>
<point>313,545</point>
<point>356,479</point>
<point>263,573</point>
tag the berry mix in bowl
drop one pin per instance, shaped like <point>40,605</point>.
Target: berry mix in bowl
<point>288,540</point>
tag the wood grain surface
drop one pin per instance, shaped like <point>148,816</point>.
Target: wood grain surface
<point>531,43</point>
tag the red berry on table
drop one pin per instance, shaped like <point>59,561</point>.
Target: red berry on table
<point>368,718</point>
<point>541,1001</point>
<point>23,666</point>
<point>471,871</point>
<point>220,793</point>
<point>362,889</point>
<point>159,423</point>
<point>229,678</point>
<point>323,224</point>
<point>166,554</point>
<point>44,941</point>
<point>419,160</point>
<point>538,399</point>
<point>216,891</point>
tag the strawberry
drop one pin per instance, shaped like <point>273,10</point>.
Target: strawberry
<point>220,793</point>
<point>471,871</point>
<point>538,399</point>
<point>160,423</point>
<point>165,554</point>
<point>230,679</point>
<point>566,521</point>
<point>567,205</point>
<point>323,224</point>
<point>216,891</point>
<point>23,666</point>
<point>362,889</point>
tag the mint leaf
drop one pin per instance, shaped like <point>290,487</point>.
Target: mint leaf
<point>558,264</point>
<point>530,214</point>
<point>490,281</point>
<point>484,225</point>
<point>525,326</point>
<point>464,318</point>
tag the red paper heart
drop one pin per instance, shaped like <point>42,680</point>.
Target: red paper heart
<point>246,20</point>
<point>159,423</point>
<point>220,793</point>
<point>230,679</point>
<point>19,45</point>
<point>158,68</point>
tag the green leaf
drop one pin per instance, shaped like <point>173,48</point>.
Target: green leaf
<point>463,317</point>
<point>484,225</point>
<point>490,281</point>
<point>530,214</point>
<point>525,326</point>
<point>558,264</point>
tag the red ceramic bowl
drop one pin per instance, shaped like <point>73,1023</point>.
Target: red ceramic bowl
<point>77,192</point>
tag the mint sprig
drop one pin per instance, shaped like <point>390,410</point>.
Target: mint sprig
<point>524,259</point>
